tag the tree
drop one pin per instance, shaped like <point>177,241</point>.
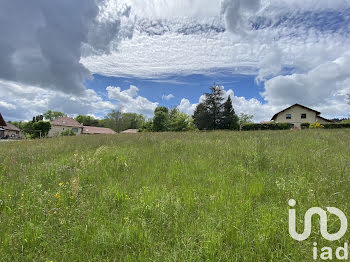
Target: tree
<point>229,119</point>
<point>87,120</point>
<point>213,114</point>
<point>201,116</point>
<point>161,118</point>
<point>213,103</point>
<point>245,119</point>
<point>52,115</point>
<point>38,118</point>
<point>42,126</point>
<point>132,121</point>
<point>179,121</point>
<point>113,120</point>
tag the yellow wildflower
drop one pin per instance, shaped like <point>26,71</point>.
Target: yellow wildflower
<point>60,184</point>
<point>58,195</point>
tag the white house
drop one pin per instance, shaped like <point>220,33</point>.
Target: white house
<point>298,114</point>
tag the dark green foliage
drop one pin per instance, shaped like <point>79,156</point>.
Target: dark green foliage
<point>38,118</point>
<point>229,119</point>
<point>336,125</point>
<point>161,119</point>
<point>87,120</point>
<point>212,114</point>
<point>305,125</point>
<point>147,126</point>
<point>42,126</point>
<point>201,116</point>
<point>277,126</point>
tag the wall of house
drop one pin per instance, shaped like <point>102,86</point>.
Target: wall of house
<point>296,112</point>
<point>57,130</point>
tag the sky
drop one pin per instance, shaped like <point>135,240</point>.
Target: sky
<point>94,56</point>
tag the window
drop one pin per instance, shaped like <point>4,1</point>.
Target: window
<point>288,116</point>
<point>75,130</point>
<point>303,116</point>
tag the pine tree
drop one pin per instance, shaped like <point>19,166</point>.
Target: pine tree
<point>213,104</point>
<point>229,119</point>
<point>201,117</point>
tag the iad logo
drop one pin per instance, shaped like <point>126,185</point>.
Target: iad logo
<point>323,222</point>
<point>327,252</point>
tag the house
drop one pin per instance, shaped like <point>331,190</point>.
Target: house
<point>93,130</point>
<point>11,131</point>
<point>63,124</point>
<point>298,114</point>
<point>130,131</point>
<point>2,126</point>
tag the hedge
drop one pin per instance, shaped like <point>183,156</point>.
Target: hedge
<point>277,126</point>
<point>328,126</point>
<point>336,125</point>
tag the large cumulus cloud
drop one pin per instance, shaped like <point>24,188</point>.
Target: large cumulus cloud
<point>41,41</point>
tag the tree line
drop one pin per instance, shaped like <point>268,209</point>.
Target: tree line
<point>213,113</point>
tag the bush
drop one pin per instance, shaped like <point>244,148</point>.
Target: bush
<point>69,132</point>
<point>276,126</point>
<point>305,125</point>
<point>336,125</point>
<point>316,125</point>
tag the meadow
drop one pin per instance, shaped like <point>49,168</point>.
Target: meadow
<point>194,196</point>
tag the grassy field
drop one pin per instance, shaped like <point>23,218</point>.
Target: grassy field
<point>217,196</point>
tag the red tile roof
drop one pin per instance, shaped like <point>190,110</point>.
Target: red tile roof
<point>93,130</point>
<point>66,121</point>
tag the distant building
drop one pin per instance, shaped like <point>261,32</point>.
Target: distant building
<point>63,124</point>
<point>2,126</point>
<point>12,131</point>
<point>298,114</point>
<point>130,131</point>
<point>93,130</point>
<point>8,130</point>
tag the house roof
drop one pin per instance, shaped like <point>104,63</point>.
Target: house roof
<point>130,131</point>
<point>274,117</point>
<point>2,121</point>
<point>97,130</point>
<point>11,127</point>
<point>66,121</point>
<point>325,119</point>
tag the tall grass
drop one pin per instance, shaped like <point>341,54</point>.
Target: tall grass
<point>216,196</point>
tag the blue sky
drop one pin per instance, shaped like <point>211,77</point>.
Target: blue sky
<point>190,87</point>
<point>133,55</point>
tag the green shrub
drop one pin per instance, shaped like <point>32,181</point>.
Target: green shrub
<point>305,125</point>
<point>276,126</point>
<point>336,125</point>
<point>69,132</point>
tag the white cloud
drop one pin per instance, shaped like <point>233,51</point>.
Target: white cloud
<point>7,106</point>
<point>186,107</point>
<point>168,97</point>
<point>130,102</point>
<point>27,101</point>
<point>326,82</point>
